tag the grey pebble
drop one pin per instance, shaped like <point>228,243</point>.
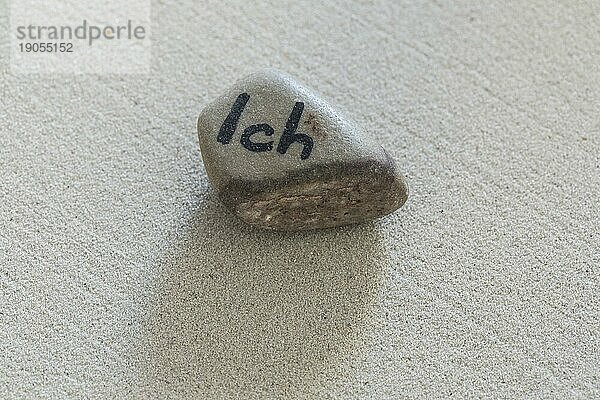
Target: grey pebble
<point>281,158</point>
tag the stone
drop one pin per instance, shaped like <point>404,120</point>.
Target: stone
<point>281,158</point>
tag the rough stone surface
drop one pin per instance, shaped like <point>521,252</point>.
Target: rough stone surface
<point>281,158</point>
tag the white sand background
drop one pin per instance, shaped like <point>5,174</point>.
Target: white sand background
<point>121,275</point>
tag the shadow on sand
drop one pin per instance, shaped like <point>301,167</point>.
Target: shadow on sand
<point>242,309</point>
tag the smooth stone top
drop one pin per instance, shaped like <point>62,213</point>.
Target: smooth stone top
<point>280,157</point>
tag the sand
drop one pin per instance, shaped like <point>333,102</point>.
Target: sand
<point>122,276</point>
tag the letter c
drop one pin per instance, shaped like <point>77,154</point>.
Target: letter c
<point>257,147</point>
